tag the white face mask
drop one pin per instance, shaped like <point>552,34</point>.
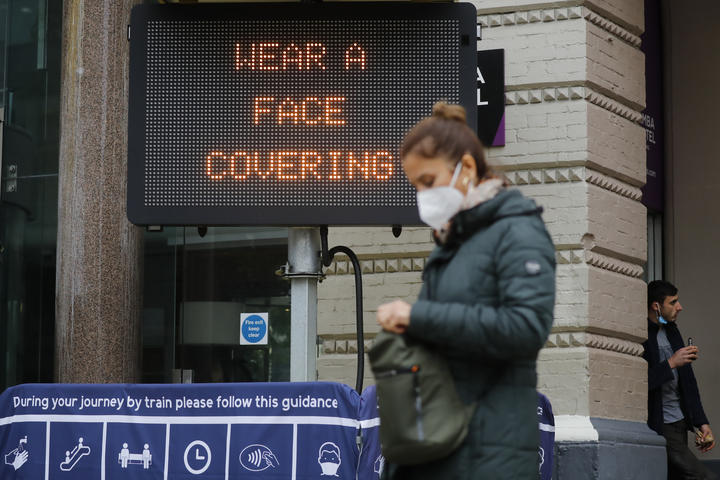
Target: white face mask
<point>437,205</point>
<point>329,468</point>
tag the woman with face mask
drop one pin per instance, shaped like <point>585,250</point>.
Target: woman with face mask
<point>487,298</point>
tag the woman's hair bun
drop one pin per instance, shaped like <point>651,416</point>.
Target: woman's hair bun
<point>449,112</point>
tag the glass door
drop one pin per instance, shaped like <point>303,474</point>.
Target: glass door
<point>199,285</point>
<point>30,39</point>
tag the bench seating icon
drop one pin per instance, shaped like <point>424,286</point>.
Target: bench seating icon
<point>126,458</point>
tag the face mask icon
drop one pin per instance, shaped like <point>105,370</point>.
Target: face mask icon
<point>329,459</point>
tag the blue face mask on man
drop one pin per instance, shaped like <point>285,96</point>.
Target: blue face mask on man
<point>661,319</point>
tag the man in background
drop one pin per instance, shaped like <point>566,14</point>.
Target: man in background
<point>674,405</point>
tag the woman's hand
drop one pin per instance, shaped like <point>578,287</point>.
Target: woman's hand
<point>394,316</point>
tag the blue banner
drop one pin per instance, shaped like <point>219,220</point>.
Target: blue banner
<point>371,461</point>
<point>295,431</point>
<point>546,423</point>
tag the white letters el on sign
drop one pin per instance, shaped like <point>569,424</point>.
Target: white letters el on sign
<point>481,79</point>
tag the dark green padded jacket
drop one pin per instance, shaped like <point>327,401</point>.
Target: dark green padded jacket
<point>487,305</point>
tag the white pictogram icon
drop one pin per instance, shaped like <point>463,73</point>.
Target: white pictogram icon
<point>198,454</point>
<point>257,458</point>
<point>329,459</point>
<point>379,465</point>
<point>72,457</point>
<point>18,456</point>
<point>126,458</point>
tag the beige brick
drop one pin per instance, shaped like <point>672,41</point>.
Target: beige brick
<point>576,132</point>
<point>627,13</point>
<point>617,224</point>
<point>343,369</point>
<point>571,297</point>
<point>615,65</point>
<point>563,377</point>
<point>617,303</point>
<point>616,145</point>
<point>565,209</point>
<point>618,386</point>
<point>374,240</point>
<point>336,299</point>
<point>542,52</point>
<point>560,142</point>
<point>589,381</point>
<point>571,51</point>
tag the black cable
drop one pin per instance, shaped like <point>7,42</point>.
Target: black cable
<point>327,258</point>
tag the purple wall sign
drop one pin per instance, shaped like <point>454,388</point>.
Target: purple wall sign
<point>653,116</point>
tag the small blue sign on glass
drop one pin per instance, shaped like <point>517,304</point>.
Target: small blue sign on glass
<point>254,328</point>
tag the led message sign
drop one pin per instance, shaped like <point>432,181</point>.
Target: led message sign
<point>287,114</point>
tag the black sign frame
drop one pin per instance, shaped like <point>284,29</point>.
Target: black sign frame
<point>140,214</point>
<point>491,97</point>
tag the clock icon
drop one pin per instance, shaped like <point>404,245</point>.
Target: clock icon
<point>197,457</point>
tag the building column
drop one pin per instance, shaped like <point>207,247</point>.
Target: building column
<point>99,253</point>
<point>575,90</point>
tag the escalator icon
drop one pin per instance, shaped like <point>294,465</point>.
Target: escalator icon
<point>72,457</point>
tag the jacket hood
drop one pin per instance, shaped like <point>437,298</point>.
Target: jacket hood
<point>507,203</point>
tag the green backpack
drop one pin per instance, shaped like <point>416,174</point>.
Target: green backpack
<point>421,415</point>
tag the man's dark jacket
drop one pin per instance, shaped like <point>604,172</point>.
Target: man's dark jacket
<point>660,372</point>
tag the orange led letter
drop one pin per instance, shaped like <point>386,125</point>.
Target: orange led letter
<point>292,54</point>
<point>334,173</point>
<point>304,111</point>
<point>314,53</point>
<point>244,62</point>
<point>288,109</point>
<point>265,55</point>
<point>386,167</point>
<point>355,55</point>
<point>259,109</point>
<point>363,167</point>
<point>283,166</point>
<point>235,160</point>
<point>215,157</point>
<point>256,165</point>
<point>307,167</point>
<point>331,109</point>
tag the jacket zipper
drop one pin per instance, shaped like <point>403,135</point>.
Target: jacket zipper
<point>418,402</point>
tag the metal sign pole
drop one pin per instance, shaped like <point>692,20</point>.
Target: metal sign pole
<point>303,271</point>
